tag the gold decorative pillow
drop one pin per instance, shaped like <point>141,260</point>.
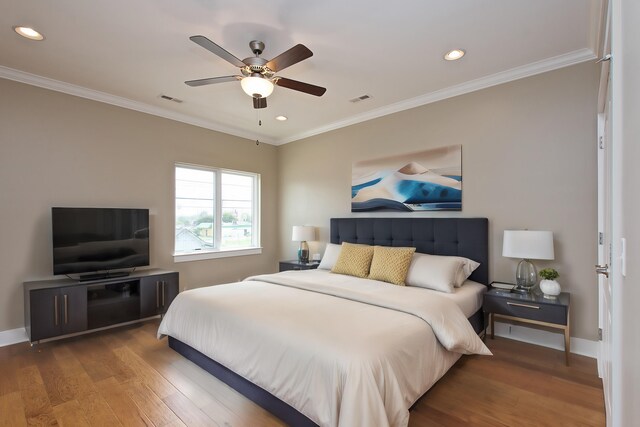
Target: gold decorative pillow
<point>391,264</point>
<point>354,260</point>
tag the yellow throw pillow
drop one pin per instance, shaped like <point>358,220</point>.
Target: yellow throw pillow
<point>354,260</point>
<point>391,264</point>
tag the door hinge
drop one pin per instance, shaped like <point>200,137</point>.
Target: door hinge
<point>601,142</point>
<point>601,238</point>
<point>599,334</point>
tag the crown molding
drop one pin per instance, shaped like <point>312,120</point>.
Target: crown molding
<point>83,92</point>
<point>528,70</point>
<point>598,29</point>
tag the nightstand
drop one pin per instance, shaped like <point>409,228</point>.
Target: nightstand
<point>295,265</point>
<point>531,308</point>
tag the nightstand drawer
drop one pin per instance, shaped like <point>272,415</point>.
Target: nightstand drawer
<point>526,309</point>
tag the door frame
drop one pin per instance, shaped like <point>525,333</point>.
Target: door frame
<point>607,149</point>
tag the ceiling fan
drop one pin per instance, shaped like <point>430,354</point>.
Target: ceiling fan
<point>258,74</point>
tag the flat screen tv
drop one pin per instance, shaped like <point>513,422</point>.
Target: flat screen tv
<point>91,240</point>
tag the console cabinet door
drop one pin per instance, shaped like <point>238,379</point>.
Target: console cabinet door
<point>149,296</point>
<point>156,293</point>
<point>170,287</point>
<point>58,311</point>
<point>73,309</point>
<point>45,313</point>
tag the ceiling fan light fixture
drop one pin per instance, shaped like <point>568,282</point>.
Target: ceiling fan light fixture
<point>257,87</point>
<point>28,33</point>
<point>259,73</point>
<point>454,54</point>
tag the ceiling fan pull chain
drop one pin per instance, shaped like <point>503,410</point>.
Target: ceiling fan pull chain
<point>259,124</point>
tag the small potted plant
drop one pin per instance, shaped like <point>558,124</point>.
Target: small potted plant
<point>549,285</point>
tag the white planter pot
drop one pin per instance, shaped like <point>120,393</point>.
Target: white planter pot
<point>550,288</point>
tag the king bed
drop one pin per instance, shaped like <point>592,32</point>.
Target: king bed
<point>319,348</point>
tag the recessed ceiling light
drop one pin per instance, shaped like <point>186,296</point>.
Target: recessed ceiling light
<point>454,54</point>
<point>28,33</point>
<point>281,118</point>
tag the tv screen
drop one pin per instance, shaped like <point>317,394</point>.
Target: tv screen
<point>99,239</point>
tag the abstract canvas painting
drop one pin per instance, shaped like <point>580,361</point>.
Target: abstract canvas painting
<point>429,180</point>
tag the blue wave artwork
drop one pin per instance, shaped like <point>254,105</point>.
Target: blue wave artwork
<point>356,188</point>
<point>412,187</point>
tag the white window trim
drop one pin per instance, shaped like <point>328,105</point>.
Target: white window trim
<point>216,252</point>
<point>202,255</point>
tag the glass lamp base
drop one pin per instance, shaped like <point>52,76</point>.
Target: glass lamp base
<point>303,252</point>
<point>526,277</point>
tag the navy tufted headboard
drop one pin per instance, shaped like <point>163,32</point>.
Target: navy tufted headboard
<point>466,237</point>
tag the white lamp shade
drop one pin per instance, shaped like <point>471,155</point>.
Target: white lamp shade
<point>528,244</point>
<point>303,233</point>
<point>256,86</point>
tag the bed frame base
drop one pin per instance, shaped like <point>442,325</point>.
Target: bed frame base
<point>243,386</point>
<point>477,321</point>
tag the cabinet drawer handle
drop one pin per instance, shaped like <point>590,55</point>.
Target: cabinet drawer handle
<point>55,309</point>
<point>157,294</point>
<point>163,293</point>
<point>66,311</point>
<point>523,305</point>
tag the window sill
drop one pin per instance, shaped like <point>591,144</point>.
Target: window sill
<point>199,256</point>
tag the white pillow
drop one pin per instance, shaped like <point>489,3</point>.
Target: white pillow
<point>468,267</point>
<point>440,273</point>
<point>330,257</point>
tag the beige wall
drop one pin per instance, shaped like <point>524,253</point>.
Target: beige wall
<point>529,161</point>
<point>60,150</point>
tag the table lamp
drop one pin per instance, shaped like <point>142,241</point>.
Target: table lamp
<point>527,245</point>
<point>302,234</point>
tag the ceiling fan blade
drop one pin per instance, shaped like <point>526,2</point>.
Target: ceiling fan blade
<point>286,59</point>
<point>300,86</point>
<point>259,102</point>
<point>214,48</point>
<point>212,80</point>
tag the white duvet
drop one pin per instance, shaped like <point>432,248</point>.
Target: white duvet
<point>341,350</point>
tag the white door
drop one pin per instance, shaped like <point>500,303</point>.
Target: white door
<point>604,247</point>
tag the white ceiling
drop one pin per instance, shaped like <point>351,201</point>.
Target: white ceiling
<point>129,52</point>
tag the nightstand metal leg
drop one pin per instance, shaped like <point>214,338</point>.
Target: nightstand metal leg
<point>567,345</point>
<point>567,337</point>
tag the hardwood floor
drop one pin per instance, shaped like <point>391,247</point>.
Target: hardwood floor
<point>126,377</point>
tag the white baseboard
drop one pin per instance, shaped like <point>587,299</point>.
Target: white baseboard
<point>547,339</point>
<point>13,336</point>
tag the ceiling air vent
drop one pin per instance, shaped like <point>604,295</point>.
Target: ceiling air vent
<point>171,98</point>
<point>360,98</point>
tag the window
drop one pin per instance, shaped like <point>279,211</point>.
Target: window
<point>217,213</point>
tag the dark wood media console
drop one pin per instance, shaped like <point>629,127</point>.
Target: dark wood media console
<point>53,308</point>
